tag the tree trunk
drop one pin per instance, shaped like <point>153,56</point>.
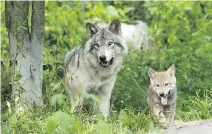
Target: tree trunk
<point>26,49</point>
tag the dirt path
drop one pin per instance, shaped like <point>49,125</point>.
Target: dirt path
<point>193,127</point>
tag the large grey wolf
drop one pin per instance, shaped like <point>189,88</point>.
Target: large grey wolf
<point>162,96</point>
<point>92,68</point>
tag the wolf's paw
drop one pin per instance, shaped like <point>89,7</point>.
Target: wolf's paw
<point>166,125</point>
<point>178,123</point>
<point>171,124</point>
<point>163,125</point>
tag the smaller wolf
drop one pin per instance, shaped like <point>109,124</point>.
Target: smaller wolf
<point>162,96</point>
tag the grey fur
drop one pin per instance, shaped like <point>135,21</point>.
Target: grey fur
<point>85,72</point>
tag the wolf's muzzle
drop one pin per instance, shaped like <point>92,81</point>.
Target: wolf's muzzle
<point>103,61</point>
<point>102,58</point>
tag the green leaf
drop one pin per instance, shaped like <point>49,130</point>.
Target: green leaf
<point>18,75</point>
<point>64,119</point>
<point>51,124</point>
<point>58,99</point>
<point>104,128</point>
<point>58,120</point>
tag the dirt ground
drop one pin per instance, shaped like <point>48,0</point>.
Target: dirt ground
<point>193,127</point>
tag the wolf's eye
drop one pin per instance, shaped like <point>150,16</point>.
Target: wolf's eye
<point>166,84</point>
<point>157,85</point>
<point>110,43</point>
<point>96,45</point>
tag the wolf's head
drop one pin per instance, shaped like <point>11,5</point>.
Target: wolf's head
<point>106,43</point>
<point>163,83</point>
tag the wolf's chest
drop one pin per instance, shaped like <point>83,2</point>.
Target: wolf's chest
<point>93,88</point>
<point>94,85</point>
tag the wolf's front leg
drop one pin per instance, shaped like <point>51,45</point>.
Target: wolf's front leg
<point>75,99</point>
<point>105,95</point>
<point>159,116</point>
<point>170,114</point>
<point>105,106</point>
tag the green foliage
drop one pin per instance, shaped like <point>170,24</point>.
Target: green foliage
<point>135,122</point>
<point>182,33</point>
<point>58,99</point>
<point>60,121</point>
<point>23,122</point>
<point>181,23</point>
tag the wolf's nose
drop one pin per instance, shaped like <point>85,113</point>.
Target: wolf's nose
<point>102,58</point>
<point>161,94</point>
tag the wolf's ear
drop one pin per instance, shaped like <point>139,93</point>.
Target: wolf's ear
<point>92,29</point>
<point>152,73</point>
<point>171,70</point>
<point>115,27</point>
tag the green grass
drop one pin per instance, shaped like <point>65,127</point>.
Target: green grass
<point>56,120</point>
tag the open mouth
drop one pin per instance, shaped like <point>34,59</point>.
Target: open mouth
<point>164,99</point>
<point>106,64</point>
